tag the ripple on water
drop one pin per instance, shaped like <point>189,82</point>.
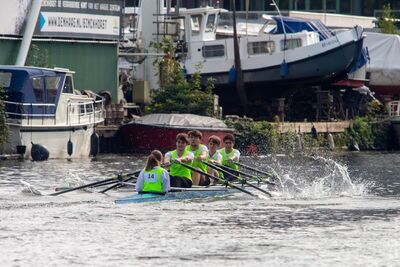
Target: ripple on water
<point>324,228</point>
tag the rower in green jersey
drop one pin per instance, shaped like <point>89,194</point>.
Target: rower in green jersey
<point>200,153</point>
<point>230,155</point>
<point>214,156</point>
<point>179,175</point>
<point>153,178</point>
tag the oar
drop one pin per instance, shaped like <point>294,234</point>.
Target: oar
<point>243,180</point>
<point>243,173</point>
<point>256,170</point>
<point>118,184</point>
<point>216,179</point>
<point>98,183</point>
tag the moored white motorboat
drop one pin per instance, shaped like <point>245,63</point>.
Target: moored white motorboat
<point>43,108</point>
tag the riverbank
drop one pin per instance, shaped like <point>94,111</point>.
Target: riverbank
<point>264,137</point>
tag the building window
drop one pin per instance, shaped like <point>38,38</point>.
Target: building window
<point>345,6</point>
<point>290,44</point>
<point>299,4</point>
<point>316,5</point>
<point>213,51</point>
<point>331,6</point>
<point>37,85</point>
<point>196,24</point>
<point>368,8</point>
<point>254,48</point>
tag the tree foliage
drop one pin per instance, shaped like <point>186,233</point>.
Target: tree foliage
<point>3,119</point>
<point>37,57</point>
<point>177,94</point>
<point>386,22</point>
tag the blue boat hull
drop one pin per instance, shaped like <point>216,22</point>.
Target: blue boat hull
<point>176,194</point>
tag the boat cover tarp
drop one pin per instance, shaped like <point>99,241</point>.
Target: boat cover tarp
<point>294,25</point>
<point>384,53</point>
<point>181,120</point>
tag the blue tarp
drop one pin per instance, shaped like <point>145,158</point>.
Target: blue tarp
<point>294,25</point>
<point>20,89</point>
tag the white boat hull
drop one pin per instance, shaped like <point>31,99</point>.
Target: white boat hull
<point>53,138</point>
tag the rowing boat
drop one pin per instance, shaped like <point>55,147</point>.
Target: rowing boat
<point>177,193</point>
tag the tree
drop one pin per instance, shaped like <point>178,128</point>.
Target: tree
<point>37,57</point>
<point>176,94</point>
<point>3,120</point>
<point>386,22</point>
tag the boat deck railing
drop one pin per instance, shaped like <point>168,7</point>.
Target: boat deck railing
<point>394,109</point>
<point>79,111</point>
<point>82,111</point>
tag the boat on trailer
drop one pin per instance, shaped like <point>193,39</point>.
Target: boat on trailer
<point>43,108</point>
<point>309,51</point>
<point>178,194</point>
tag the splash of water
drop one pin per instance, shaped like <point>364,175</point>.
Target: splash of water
<point>334,180</point>
<point>313,177</point>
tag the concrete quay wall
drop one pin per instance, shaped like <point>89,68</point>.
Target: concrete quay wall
<point>322,127</point>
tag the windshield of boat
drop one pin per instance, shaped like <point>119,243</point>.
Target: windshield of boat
<point>68,85</point>
<point>5,79</point>
<point>52,84</point>
<point>210,26</point>
<point>196,24</point>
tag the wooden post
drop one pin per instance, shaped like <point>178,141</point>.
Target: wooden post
<point>239,74</point>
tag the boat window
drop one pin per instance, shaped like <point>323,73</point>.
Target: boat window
<point>38,89</point>
<point>5,79</point>
<point>52,84</point>
<point>254,48</point>
<point>290,44</point>
<point>213,51</point>
<point>210,26</point>
<point>196,24</point>
<point>68,87</point>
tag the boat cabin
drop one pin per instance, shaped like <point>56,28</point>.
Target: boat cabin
<point>201,23</point>
<point>40,88</point>
<point>48,95</point>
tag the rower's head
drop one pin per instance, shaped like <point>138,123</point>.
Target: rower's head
<point>157,154</point>
<point>229,142</point>
<point>181,141</point>
<point>214,142</point>
<point>152,162</point>
<point>195,137</point>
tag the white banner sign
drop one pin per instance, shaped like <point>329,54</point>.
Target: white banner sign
<point>60,22</point>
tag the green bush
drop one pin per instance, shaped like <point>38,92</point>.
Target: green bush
<point>261,134</point>
<point>386,22</point>
<point>3,120</point>
<point>361,132</point>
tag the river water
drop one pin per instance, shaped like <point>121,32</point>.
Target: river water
<point>336,210</point>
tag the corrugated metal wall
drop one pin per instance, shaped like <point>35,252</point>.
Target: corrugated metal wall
<point>96,65</point>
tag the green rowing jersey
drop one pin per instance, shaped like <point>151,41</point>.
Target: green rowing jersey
<point>196,163</point>
<point>152,182</point>
<point>178,170</point>
<point>225,158</point>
